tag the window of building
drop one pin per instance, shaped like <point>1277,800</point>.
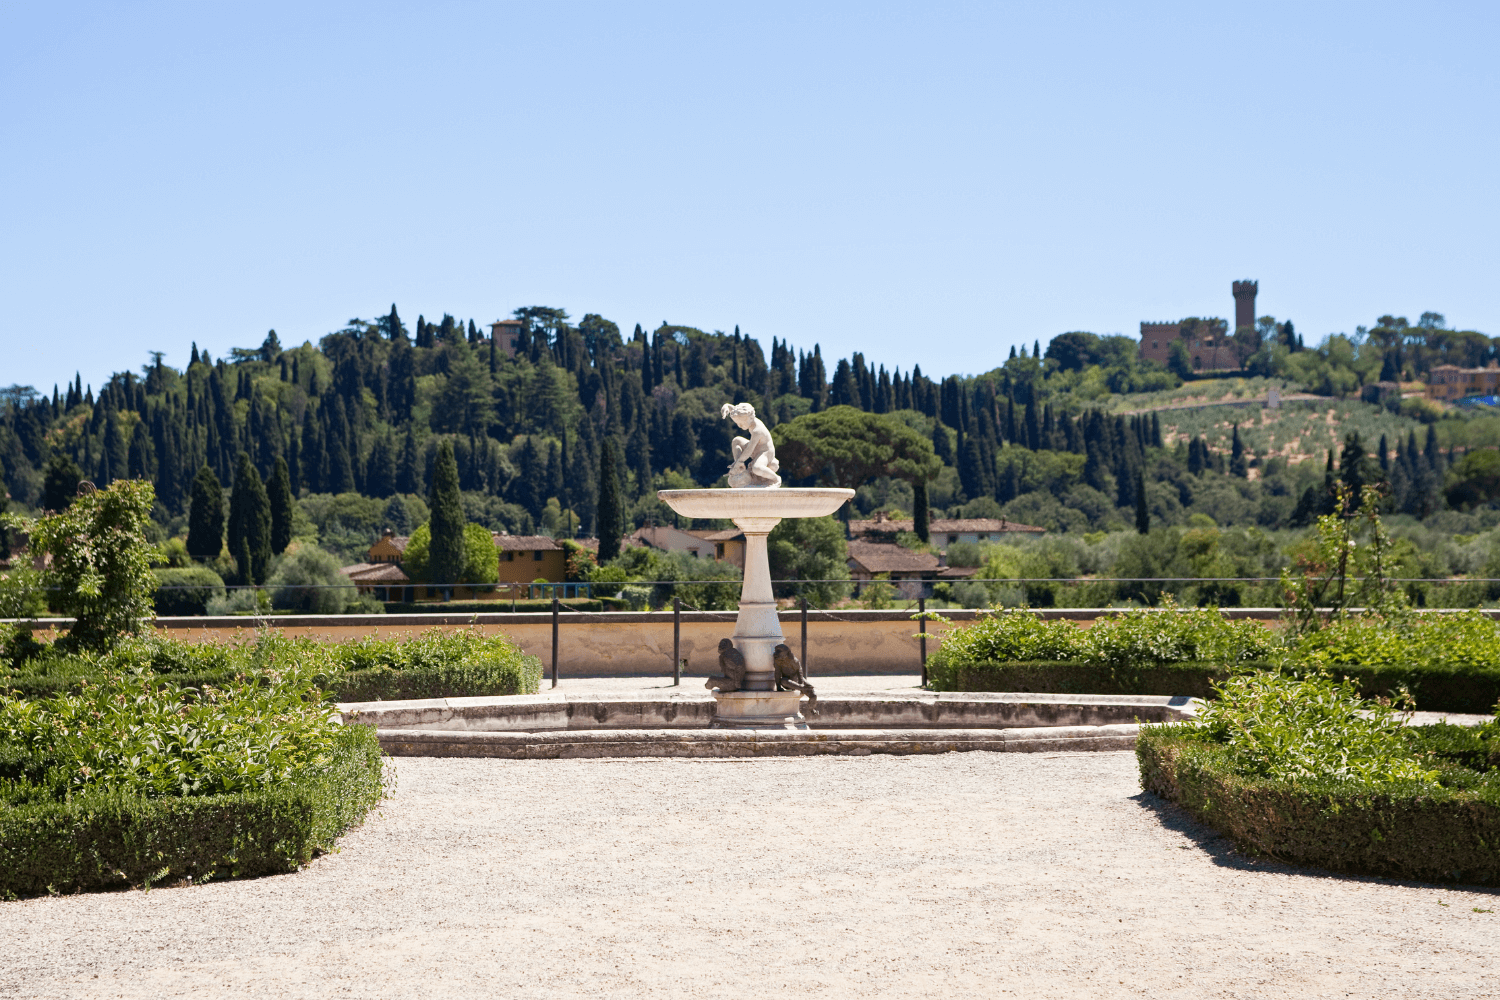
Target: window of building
<point>536,555</point>
<point>507,557</point>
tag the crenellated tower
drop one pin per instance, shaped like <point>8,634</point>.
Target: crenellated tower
<point>1244,303</point>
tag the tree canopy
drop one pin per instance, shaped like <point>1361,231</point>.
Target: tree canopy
<point>846,447</point>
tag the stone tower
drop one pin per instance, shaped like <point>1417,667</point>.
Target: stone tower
<point>1244,303</point>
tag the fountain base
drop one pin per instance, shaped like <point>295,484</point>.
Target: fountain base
<point>758,710</point>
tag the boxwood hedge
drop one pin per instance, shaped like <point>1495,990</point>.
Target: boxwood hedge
<point>435,663</point>
<point>131,780</point>
<point>1447,662</point>
<point>118,839</point>
<point>1307,772</point>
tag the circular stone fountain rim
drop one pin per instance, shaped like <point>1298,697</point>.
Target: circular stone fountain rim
<point>783,501</point>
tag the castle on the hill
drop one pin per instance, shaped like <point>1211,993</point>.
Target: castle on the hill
<point>1209,342</point>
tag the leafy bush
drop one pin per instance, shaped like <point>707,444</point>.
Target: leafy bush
<point>186,591</point>
<point>239,601</point>
<point>131,778</point>
<point>1307,771</point>
<point>1192,680</point>
<point>310,581</point>
<point>435,663</point>
<point>98,840</point>
<point>132,733</point>
<point>1175,636</point>
<point>1312,727</point>
<point>100,567</point>
<point>438,663</point>
<point>21,593</point>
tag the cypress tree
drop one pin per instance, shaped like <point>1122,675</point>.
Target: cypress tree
<point>920,514</point>
<point>446,561</point>
<point>409,473</point>
<point>249,522</point>
<point>1010,483</point>
<point>941,446</point>
<point>1237,464</point>
<point>206,516</point>
<point>971,468</point>
<point>611,516</point>
<point>60,483</point>
<point>380,476</point>
<point>281,507</point>
<point>1142,515</point>
<point>1385,455</point>
<point>1033,426</point>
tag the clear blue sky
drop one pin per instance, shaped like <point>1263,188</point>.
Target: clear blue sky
<point>927,183</point>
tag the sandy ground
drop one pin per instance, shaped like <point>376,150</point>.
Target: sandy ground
<point>963,875</point>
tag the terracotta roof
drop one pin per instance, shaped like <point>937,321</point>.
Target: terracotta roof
<point>524,543</point>
<point>881,557</point>
<point>982,525</point>
<point>365,573</point>
<point>399,541</point>
<point>881,525</point>
<point>717,536</point>
<point>958,572</point>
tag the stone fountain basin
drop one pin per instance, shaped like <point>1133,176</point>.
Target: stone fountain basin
<point>696,710</point>
<point>783,501</point>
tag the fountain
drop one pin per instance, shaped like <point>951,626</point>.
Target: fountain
<point>747,696</point>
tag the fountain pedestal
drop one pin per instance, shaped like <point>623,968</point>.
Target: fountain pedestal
<point>757,630</point>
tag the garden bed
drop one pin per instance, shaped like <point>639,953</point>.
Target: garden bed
<point>1306,772</point>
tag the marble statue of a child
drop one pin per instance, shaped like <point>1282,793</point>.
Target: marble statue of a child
<point>755,462</point>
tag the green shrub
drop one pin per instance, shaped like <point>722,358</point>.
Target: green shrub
<point>1305,770</point>
<point>21,593</point>
<point>133,733</point>
<point>1131,639</point>
<point>307,580</point>
<point>1175,636</point>
<point>186,591</point>
<point>129,779</point>
<point>436,664</point>
<point>100,567</point>
<point>1193,680</point>
<point>102,839</point>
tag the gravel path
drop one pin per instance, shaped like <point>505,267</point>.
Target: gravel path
<point>962,875</point>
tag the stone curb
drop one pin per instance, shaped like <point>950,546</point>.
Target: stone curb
<point>695,710</point>
<point>750,743</point>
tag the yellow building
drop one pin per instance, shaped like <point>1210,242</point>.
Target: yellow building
<point>1447,382</point>
<point>524,559</point>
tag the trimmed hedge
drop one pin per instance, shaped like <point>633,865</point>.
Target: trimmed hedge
<point>1195,680</point>
<point>438,663</point>
<point>1436,688</point>
<point>115,840</point>
<point>474,676</point>
<point>1436,832</point>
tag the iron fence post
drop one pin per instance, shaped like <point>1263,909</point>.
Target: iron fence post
<point>804,637</point>
<point>922,633</point>
<point>554,638</point>
<point>676,641</point>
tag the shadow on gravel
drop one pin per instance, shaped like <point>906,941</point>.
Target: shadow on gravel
<point>1224,854</point>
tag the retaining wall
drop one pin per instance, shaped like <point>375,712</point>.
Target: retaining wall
<point>624,644</point>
